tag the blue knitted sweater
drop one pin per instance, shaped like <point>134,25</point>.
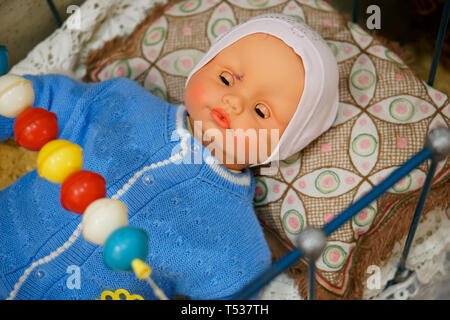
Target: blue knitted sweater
<point>204,238</point>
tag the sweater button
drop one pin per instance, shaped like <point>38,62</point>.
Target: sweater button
<point>39,274</point>
<point>148,179</point>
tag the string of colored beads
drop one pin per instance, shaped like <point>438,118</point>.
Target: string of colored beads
<point>104,221</point>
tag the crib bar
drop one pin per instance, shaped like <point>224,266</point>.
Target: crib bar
<point>55,12</point>
<point>290,258</point>
<point>417,214</point>
<point>311,280</point>
<point>439,42</point>
<point>377,191</point>
<point>355,10</point>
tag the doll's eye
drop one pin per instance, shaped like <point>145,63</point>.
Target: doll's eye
<point>262,111</point>
<point>227,78</point>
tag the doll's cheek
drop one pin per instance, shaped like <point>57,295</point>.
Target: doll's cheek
<point>194,93</point>
<point>198,91</point>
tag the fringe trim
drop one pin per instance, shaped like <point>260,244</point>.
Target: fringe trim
<point>123,45</point>
<point>372,249</point>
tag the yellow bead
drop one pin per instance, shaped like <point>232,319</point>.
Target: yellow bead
<point>58,159</point>
<point>141,269</point>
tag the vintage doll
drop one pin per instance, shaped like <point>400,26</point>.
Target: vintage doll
<point>205,241</point>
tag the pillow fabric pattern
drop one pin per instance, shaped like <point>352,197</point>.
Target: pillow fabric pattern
<point>385,113</point>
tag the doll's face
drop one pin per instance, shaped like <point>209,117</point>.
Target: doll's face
<point>256,84</point>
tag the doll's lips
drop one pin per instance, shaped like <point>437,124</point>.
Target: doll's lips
<point>220,116</point>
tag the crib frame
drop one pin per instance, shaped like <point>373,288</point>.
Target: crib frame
<point>437,148</point>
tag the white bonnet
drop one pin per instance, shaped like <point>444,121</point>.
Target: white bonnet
<point>318,104</point>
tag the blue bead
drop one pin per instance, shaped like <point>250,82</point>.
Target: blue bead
<point>123,246</point>
<point>4,63</point>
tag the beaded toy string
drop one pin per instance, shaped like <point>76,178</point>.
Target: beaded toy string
<point>104,221</point>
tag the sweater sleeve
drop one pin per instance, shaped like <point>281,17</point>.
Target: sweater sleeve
<point>53,92</point>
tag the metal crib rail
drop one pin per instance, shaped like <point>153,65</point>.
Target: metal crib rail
<point>439,42</point>
<point>355,11</point>
<point>437,148</point>
<point>55,12</point>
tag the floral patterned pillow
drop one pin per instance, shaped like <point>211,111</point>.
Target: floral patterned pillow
<point>384,116</point>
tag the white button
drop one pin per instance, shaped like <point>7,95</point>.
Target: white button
<point>148,179</point>
<point>39,274</point>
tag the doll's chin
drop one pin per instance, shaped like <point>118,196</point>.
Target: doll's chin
<point>210,127</point>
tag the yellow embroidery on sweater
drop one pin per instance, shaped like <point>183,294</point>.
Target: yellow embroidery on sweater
<point>116,295</point>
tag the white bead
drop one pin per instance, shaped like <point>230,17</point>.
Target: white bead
<point>101,218</point>
<point>16,94</point>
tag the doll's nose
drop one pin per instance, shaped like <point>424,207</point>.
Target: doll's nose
<point>233,103</point>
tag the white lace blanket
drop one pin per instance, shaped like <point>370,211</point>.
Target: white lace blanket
<point>88,28</point>
<point>96,22</point>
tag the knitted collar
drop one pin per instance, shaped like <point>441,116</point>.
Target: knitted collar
<point>214,170</point>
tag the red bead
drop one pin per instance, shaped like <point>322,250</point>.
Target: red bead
<point>80,189</point>
<point>34,127</point>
